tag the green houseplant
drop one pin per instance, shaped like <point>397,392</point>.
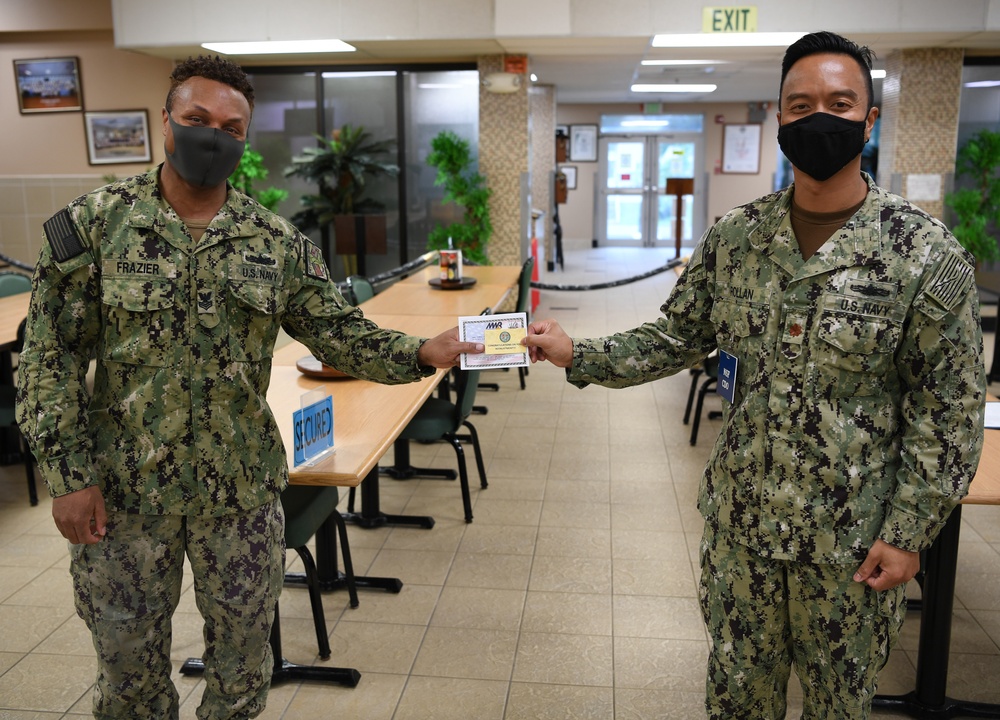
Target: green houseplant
<point>341,167</point>
<point>252,168</point>
<point>452,157</point>
<point>977,208</point>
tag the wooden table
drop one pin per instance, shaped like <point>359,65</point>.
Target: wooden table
<point>506,275</point>
<point>422,299</point>
<point>13,309</point>
<point>928,699</point>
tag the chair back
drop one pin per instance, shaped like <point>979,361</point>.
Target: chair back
<point>361,288</point>
<point>465,394</point>
<point>524,285</point>
<point>13,283</point>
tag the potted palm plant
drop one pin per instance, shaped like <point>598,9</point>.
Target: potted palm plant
<point>977,208</point>
<point>341,168</point>
<point>466,188</point>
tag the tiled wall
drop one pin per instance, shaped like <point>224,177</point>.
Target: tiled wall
<point>503,158</point>
<point>542,133</point>
<point>27,202</point>
<point>920,104</point>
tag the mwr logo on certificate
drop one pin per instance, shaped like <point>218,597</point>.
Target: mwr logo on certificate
<point>500,334</point>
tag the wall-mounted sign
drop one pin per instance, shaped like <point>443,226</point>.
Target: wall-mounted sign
<point>729,19</point>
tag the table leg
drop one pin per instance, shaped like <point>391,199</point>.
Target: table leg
<point>329,576</point>
<point>928,700</point>
<point>401,469</point>
<point>283,670</point>
<point>372,516</point>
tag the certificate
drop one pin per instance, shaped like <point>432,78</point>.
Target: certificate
<point>500,334</point>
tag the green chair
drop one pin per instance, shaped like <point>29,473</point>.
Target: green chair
<point>12,283</point>
<point>306,508</point>
<point>522,305</point>
<point>710,368</point>
<point>361,289</point>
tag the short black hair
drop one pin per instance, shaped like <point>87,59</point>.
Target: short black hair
<point>828,42</point>
<point>212,68</point>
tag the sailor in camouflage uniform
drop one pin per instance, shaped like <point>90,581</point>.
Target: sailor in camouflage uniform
<point>856,418</point>
<point>178,285</point>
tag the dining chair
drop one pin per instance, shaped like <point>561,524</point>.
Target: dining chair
<point>361,289</point>
<point>522,305</point>
<point>12,283</point>
<point>710,368</point>
<point>306,508</point>
<point>8,420</point>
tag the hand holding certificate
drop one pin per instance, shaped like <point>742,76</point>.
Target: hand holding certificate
<point>501,336</point>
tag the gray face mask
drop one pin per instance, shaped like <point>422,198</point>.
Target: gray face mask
<point>204,156</point>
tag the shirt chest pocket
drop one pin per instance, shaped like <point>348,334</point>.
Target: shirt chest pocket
<point>853,354</point>
<point>254,312</point>
<point>139,320</point>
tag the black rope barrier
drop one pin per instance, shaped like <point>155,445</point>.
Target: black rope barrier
<point>611,283</point>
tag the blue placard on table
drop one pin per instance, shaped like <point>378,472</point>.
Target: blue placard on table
<point>313,429</point>
<point>726,384</point>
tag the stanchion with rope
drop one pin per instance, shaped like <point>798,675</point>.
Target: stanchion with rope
<point>535,294</point>
<point>671,264</point>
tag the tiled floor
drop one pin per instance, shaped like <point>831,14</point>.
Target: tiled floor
<point>572,595</point>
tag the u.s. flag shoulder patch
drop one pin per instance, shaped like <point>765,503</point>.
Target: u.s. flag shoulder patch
<point>315,264</point>
<point>63,238</point>
<point>952,280</point>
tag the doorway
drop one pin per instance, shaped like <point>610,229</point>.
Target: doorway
<point>635,174</point>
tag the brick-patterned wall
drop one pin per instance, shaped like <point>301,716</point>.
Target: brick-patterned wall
<point>503,157</point>
<point>920,104</point>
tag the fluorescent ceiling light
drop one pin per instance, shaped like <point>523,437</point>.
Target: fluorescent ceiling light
<point>685,62</point>
<point>270,47</point>
<point>645,123</point>
<point>878,74</point>
<point>439,86</point>
<point>359,74</point>
<point>697,40</point>
<point>672,88</point>
<point>982,84</point>
<point>534,78</point>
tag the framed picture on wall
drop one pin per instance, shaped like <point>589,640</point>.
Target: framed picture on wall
<point>570,172</point>
<point>741,148</point>
<point>117,136</point>
<point>48,85</point>
<point>583,143</point>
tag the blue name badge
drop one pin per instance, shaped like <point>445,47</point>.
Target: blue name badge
<point>726,385</point>
<point>313,429</point>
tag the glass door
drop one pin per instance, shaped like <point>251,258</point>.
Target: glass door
<point>633,204</point>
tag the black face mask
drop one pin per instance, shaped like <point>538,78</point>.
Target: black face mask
<point>820,145</point>
<point>204,156</point>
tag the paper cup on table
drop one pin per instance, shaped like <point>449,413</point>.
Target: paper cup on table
<point>451,266</point>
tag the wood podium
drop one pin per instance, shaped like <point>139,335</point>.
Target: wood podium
<point>678,188</point>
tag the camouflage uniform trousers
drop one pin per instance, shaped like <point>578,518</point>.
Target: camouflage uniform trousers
<point>763,615</point>
<point>128,585</point>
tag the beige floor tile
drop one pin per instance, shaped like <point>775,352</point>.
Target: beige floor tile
<point>70,638</point>
<point>452,699</point>
<point>484,570</point>
<point>500,511</point>
<point>569,575</point>
<point>573,542</point>
<point>13,578</point>
<point>576,514</point>
<point>677,618</point>
<point>445,536</point>
<point>465,653</point>
<point>660,664</point>
<point>51,588</point>
<point>375,647</point>
<point>519,540</point>
<point>565,659</point>
<point>533,701</point>
<point>573,613</point>
<point>577,490</point>
<point>505,487</point>
<point>413,605</point>
<point>480,608</point>
<point>421,567</point>
<point>629,544</point>
<point>36,551</point>
<point>22,628</point>
<point>645,704</point>
<point>524,466</point>
<point>29,684</point>
<point>672,576</point>
<point>375,698</point>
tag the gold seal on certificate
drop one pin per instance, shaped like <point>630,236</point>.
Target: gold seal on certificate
<point>501,336</point>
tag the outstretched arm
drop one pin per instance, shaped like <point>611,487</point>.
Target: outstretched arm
<point>546,340</point>
<point>444,350</point>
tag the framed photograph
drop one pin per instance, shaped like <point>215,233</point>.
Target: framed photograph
<point>741,148</point>
<point>117,136</point>
<point>583,143</point>
<point>570,172</point>
<point>48,85</point>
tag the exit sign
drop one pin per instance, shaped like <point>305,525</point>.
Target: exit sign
<point>735,19</point>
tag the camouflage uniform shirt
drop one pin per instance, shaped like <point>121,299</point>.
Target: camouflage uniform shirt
<point>859,397</point>
<point>183,335</point>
